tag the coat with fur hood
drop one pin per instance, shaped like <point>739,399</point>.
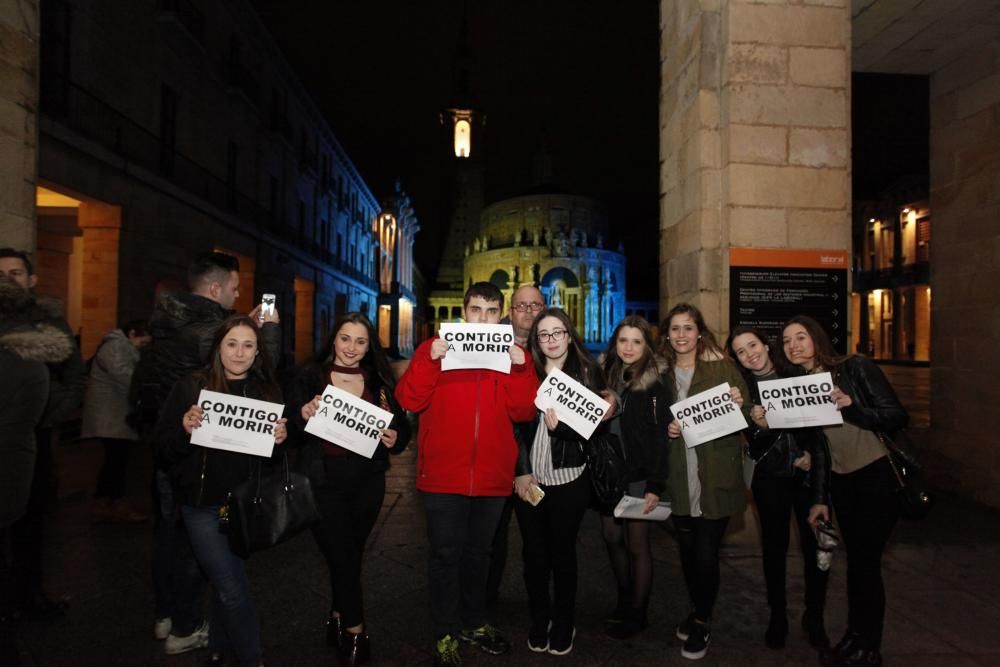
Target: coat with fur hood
<point>42,374</point>
<point>720,461</point>
<point>643,417</point>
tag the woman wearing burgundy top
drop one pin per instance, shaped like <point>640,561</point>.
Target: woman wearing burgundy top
<point>349,488</point>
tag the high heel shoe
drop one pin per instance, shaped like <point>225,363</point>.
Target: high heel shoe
<point>334,630</point>
<point>355,649</point>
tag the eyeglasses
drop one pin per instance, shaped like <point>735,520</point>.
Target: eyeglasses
<point>533,306</point>
<point>555,336</point>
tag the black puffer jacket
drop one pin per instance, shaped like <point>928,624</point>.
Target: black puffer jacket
<point>183,326</point>
<point>776,450</point>
<point>874,405</point>
<point>202,477</point>
<point>644,415</point>
<point>311,381</point>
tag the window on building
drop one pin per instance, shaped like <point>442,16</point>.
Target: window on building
<point>232,160</point>
<point>302,221</point>
<point>55,57</point>
<point>168,129</point>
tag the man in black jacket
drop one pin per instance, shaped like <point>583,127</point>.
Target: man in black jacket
<point>183,325</point>
<point>33,327</point>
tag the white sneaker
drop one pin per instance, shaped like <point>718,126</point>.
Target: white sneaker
<point>196,640</point>
<point>161,628</point>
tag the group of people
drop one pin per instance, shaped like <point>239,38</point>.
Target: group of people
<point>485,451</point>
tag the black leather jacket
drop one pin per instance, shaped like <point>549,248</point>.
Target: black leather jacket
<point>776,450</point>
<point>874,404</point>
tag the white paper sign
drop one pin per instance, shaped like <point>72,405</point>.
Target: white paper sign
<point>708,415</point>
<point>799,401</point>
<point>349,421</point>
<point>236,423</point>
<point>477,346</point>
<point>577,406</point>
<point>630,507</point>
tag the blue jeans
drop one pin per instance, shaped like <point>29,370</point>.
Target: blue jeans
<point>234,623</point>
<point>178,584</point>
<point>460,530</point>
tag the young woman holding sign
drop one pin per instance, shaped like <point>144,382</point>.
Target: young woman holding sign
<point>633,371</point>
<point>780,485</point>
<point>551,458</point>
<point>862,483</point>
<point>706,482</point>
<point>349,487</point>
<point>202,478</point>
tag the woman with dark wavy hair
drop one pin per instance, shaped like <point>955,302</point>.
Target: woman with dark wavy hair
<point>551,458</point>
<point>203,477</point>
<point>861,481</point>
<point>633,371</point>
<point>349,488</point>
<point>783,459</point>
<point>706,483</point>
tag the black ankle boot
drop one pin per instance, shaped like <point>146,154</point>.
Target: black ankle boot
<point>777,630</point>
<point>851,643</point>
<point>355,649</point>
<point>812,625</point>
<point>633,623</point>
<point>334,630</point>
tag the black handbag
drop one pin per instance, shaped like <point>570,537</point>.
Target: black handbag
<point>268,509</point>
<point>914,495</point>
<point>606,464</point>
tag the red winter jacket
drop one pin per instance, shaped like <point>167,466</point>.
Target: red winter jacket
<point>466,442</point>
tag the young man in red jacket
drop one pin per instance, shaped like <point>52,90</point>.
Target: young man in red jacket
<point>465,470</point>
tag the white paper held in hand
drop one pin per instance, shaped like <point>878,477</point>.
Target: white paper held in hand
<point>630,507</point>
<point>477,346</point>
<point>708,415</point>
<point>799,402</point>
<point>349,421</point>
<point>577,406</point>
<point>236,423</point>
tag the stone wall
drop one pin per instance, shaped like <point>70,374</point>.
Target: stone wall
<point>19,29</point>
<point>754,137</point>
<point>965,272</point>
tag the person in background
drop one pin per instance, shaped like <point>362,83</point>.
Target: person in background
<point>633,372</point>
<point>105,409</point>
<point>349,487</point>
<point>861,480</point>
<point>183,325</point>
<point>465,472</point>
<point>526,302</point>
<point>783,459</point>
<point>37,322</point>
<point>706,484</point>
<point>202,478</point>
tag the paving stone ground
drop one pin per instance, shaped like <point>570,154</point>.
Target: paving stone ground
<point>941,576</point>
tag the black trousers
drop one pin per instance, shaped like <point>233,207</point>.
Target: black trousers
<point>498,559</point>
<point>776,498</point>
<point>349,503</point>
<point>867,509</point>
<point>548,534</point>
<point>699,540</point>
<point>27,533</point>
<point>111,478</point>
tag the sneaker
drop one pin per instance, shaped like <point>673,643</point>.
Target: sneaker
<point>560,643</point>
<point>161,628</point>
<point>538,636</point>
<point>446,652</point>
<point>696,645</point>
<point>487,638</point>
<point>684,627</point>
<point>196,640</point>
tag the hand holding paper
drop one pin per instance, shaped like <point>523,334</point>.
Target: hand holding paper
<point>709,415</point>
<point>574,404</point>
<point>349,421</point>
<point>484,346</point>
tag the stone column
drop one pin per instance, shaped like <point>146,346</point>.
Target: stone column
<point>965,272</point>
<point>19,64</point>
<point>754,137</point>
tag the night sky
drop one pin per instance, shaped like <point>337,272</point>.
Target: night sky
<point>579,78</point>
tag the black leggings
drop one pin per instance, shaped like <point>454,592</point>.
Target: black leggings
<point>627,541</point>
<point>349,503</point>
<point>699,540</point>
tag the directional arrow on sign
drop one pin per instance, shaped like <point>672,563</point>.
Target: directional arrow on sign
<point>836,312</point>
<point>836,278</point>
